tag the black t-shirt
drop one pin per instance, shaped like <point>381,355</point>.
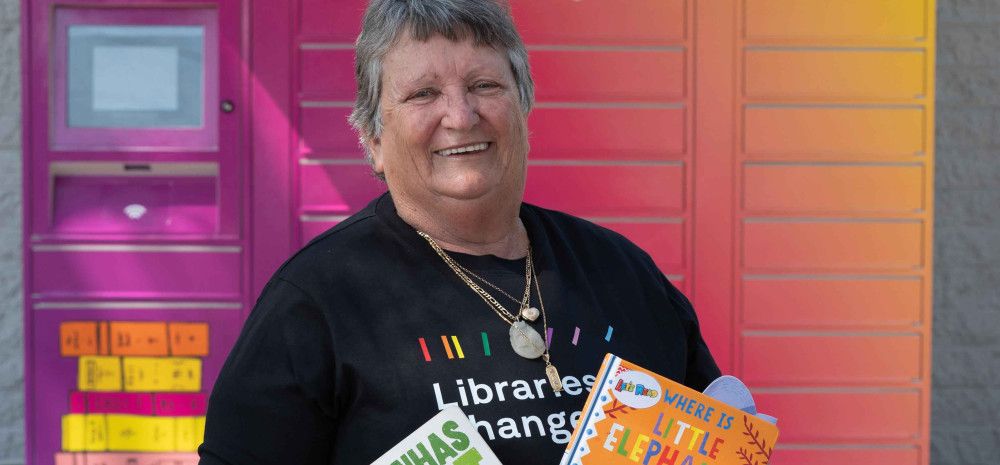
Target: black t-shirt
<point>366,333</point>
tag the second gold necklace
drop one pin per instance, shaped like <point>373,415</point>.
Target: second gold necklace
<point>524,339</point>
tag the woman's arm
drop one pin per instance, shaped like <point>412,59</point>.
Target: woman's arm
<point>274,400</point>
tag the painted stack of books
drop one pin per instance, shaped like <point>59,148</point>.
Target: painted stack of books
<point>138,399</point>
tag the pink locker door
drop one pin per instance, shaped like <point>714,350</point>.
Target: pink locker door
<point>135,202</point>
<point>309,172</point>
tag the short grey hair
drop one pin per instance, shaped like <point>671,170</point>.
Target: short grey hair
<point>486,22</point>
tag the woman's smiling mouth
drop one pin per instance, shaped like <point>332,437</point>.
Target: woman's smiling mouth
<point>464,150</point>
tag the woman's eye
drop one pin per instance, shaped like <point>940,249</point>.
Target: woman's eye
<point>421,94</point>
<point>485,85</point>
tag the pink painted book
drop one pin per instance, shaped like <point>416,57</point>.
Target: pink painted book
<point>125,458</point>
<point>111,402</point>
<point>180,404</point>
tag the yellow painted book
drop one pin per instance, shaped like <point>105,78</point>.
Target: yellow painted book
<point>84,432</point>
<point>141,433</point>
<point>161,374</point>
<point>635,416</point>
<point>99,374</point>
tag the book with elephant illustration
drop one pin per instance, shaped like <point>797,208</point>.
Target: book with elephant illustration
<point>636,416</point>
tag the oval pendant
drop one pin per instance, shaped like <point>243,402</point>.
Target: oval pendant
<point>529,313</point>
<point>526,341</point>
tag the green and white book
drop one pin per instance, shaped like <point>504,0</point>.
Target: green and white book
<point>446,439</point>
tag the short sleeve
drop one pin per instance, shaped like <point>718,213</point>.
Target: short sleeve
<point>274,400</point>
<point>701,366</point>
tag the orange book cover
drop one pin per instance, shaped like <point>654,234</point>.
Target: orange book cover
<point>636,416</point>
<point>188,339</point>
<point>78,338</point>
<point>139,338</point>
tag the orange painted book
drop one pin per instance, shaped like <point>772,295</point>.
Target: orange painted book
<point>78,338</point>
<point>635,416</point>
<point>139,338</point>
<point>188,339</point>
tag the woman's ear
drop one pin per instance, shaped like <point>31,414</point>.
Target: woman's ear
<point>374,146</point>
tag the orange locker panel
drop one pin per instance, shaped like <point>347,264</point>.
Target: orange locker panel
<point>325,133</point>
<point>835,74</point>
<point>833,245</point>
<point>830,131</point>
<point>608,191</point>
<point>855,417</point>
<point>835,455</point>
<point>841,19</point>
<point>327,74</point>
<point>833,188</point>
<point>607,133</point>
<point>608,76</point>
<point>643,22</point>
<point>831,360</point>
<point>831,302</point>
<point>340,189</point>
<point>663,241</point>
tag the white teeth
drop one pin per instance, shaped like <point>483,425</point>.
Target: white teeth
<point>467,148</point>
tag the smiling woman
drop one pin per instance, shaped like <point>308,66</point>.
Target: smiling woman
<point>454,142</point>
<point>336,363</point>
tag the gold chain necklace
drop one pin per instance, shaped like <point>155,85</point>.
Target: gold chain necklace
<point>525,310</point>
<point>524,339</point>
<point>550,370</point>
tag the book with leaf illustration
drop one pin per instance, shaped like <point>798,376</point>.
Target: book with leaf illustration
<point>636,416</point>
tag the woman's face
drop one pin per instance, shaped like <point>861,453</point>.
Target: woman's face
<point>452,123</point>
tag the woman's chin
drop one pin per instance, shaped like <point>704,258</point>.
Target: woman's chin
<point>468,188</point>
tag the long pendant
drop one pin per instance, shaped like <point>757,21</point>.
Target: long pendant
<point>526,341</point>
<point>554,380</point>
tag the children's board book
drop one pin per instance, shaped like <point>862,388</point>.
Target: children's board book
<point>446,439</point>
<point>634,416</point>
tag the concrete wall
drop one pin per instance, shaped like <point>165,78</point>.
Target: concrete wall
<point>11,341</point>
<point>965,419</point>
<point>966,404</point>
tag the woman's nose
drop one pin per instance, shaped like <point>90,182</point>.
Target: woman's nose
<point>461,112</point>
